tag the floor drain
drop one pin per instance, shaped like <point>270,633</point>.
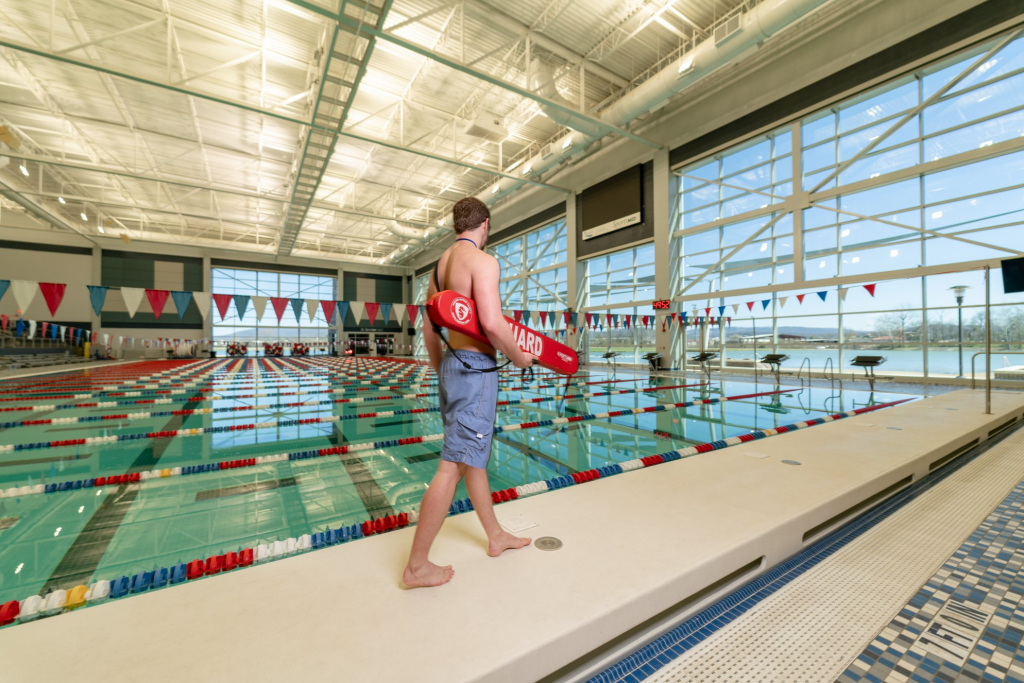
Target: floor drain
<point>548,543</point>
<point>790,462</point>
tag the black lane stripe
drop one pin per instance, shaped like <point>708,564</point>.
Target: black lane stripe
<point>369,491</point>
<point>84,555</point>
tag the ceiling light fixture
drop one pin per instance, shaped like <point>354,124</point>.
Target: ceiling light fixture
<point>686,66</point>
<point>61,200</point>
<point>24,171</point>
<point>494,190</point>
<point>102,231</point>
<point>84,217</point>
<point>567,143</point>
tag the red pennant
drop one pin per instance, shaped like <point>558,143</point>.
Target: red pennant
<point>608,319</point>
<point>568,319</point>
<point>590,319</point>
<point>543,318</point>
<point>53,292</point>
<point>4,319</point>
<point>750,305</point>
<point>412,310</point>
<point>518,315</point>
<point>94,337</point>
<point>158,298</point>
<point>671,317</point>
<point>646,319</point>
<point>371,310</point>
<point>222,301</point>
<point>280,306</point>
<point>871,289</point>
<point>728,320</point>
<point>328,307</point>
<point>45,326</point>
<point>800,297</point>
<point>707,311</point>
<point>626,323</point>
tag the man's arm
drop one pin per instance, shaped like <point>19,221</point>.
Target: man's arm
<point>430,338</point>
<point>486,274</point>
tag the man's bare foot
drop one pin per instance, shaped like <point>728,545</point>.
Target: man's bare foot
<point>428,575</point>
<point>505,541</point>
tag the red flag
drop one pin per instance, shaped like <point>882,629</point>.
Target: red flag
<point>671,317</point>
<point>328,307</point>
<point>412,310</point>
<point>871,289</point>
<point>280,306</point>
<point>45,326</point>
<point>4,319</point>
<point>590,319</point>
<point>568,319</point>
<point>53,292</point>
<point>800,297</point>
<point>646,319</point>
<point>608,319</point>
<point>750,305</point>
<point>626,323</point>
<point>707,311</point>
<point>222,301</point>
<point>543,318</point>
<point>371,310</point>
<point>728,320</point>
<point>158,298</point>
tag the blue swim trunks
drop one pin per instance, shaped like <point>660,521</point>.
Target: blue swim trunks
<point>468,402</point>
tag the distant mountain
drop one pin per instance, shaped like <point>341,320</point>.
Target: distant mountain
<point>811,332</point>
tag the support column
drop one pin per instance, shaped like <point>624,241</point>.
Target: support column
<point>339,295</point>
<point>574,277</point>
<point>208,287</point>
<point>666,279</point>
<point>96,278</point>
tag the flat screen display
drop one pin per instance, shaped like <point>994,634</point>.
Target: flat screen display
<point>1013,275</point>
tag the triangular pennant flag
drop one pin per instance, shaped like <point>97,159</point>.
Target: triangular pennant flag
<point>526,317</point>
<point>311,306</point>
<point>707,311</point>
<point>843,291</point>
<point>574,319</point>
<point>24,292</point>
<point>822,295</point>
<point>31,329</point>
<point>735,308</point>
<point>4,284</point>
<point>372,307</point>
<point>280,305</point>
<point>296,309</point>
<point>222,301</point>
<point>608,319</point>
<point>590,319</point>
<point>4,320</point>
<point>399,311</point>
<point>157,300</point>
<point>132,298</point>
<point>358,309</point>
<point>259,304</point>
<point>764,304</point>
<point>800,298</point>
<point>242,304</point>
<point>783,300</point>
<point>19,327</point>
<point>543,318</point>
<point>181,302</point>
<point>871,289</point>
<point>385,313</point>
<point>721,311</point>
<point>750,305</point>
<point>202,300</point>
<point>328,305</point>
<point>53,292</point>
<point>412,309</point>
<point>518,315</point>
<point>46,326</point>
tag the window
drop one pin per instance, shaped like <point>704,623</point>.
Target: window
<point>622,277</point>
<point>292,328</point>
<point>421,286</point>
<point>533,269</point>
<point>889,181</point>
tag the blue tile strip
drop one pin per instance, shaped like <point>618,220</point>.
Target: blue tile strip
<point>648,659</point>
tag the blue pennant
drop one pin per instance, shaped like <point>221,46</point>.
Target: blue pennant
<point>241,303</point>
<point>97,296</point>
<point>297,308</point>
<point>181,302</point>
<point>342,310</point>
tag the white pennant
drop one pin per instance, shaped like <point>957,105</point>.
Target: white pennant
<point>782,301</point>
<point>62,328</point>
<point>842,293</point>
<point>32,328</point>
<point>398,311</point>
<point>132,298</point>
<point>202,300</point>
<point>24,292</point>
<point>311,306</point>
<point>735,309</point>
<point>259,303</point>
<point>358,309</point>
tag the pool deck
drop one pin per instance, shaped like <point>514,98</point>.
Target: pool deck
<point>635,545</point>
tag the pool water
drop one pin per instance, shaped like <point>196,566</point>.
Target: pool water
<point>67,538</point>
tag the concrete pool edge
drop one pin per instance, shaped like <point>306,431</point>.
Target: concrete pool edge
<point>615,571</point>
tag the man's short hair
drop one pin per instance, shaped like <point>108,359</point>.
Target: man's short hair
<point>469,213</point>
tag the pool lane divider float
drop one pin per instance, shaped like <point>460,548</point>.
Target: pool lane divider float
<point>135,477</point>
<point>143,415</point>
<point>204,399</point>
<point>64,600</point>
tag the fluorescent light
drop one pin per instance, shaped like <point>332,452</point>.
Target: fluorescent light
<point>686,65</point>
<point>494,190</point>
<point>102,231</point>
<point>84,217</point>
<point>24,171</point>
<point>567,143</point>
<point>527,170</point>
<point>61,200</point>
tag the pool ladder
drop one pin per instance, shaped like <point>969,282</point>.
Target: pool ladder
<point>828,372</point>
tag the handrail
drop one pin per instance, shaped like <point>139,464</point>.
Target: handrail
<point>982,353</point>
<point>800,371</point>
<point>832,377</point>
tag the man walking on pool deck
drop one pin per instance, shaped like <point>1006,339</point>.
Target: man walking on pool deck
<point>468,391</point>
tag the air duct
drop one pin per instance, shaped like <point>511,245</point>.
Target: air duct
<point>764,21</point>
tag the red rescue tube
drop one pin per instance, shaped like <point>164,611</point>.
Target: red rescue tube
<point>456,312</point>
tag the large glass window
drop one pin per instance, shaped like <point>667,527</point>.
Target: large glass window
<point>888,177</point>
<point>267,329</point>
<point>533,269</point>
<point>421,286</point>
<point>622,277</point>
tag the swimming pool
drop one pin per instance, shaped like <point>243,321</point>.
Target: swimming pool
<point>210,457</point>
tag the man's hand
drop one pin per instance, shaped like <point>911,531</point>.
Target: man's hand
<point>525,360</point>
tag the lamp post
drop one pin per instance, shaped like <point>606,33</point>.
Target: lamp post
<point>958,292</point>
